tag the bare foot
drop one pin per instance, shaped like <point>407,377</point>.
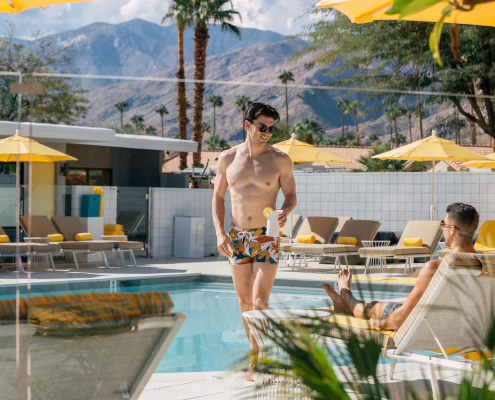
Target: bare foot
<point>250,374</point>
<point>344,280</point>
<point>339,305</point>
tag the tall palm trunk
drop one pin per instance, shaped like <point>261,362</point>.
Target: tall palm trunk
<point>181,96</point>
<point>200,43</point>
<point>122,118</point>
<point>420,115</point>
<point>214,120</point>
<point>409,115</point>
<point>473,128</point>
<point>357,128</point>
<point>286,107</point>
<point>243,109</point>
<point>391,132</point>
<point>163,132</point>
<point>343,125</point>
<point>396,132</point>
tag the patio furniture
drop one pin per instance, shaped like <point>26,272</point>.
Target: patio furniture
<point>375,263</point>
<point>485,243</point>
<point>321,227</point>
<point>130,220</point>
<point>354,228</point>
<point>428,231</point>
<point>109,355</point>
<point>456,296</point>
<point>289,235</point>
<point>40,254</point>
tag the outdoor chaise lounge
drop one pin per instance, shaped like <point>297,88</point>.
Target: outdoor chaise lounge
<point>17,250</point>
<point>451,319</point>
<point>322,228</point>
<point>288,235</point>
<point>485,243</point>
<point>428,231</point>
<point>130,220</point>
<point>358,229</point>
<point>84,346</point>
<point>69,227</point>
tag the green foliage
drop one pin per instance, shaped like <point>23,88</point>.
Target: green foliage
<point>138,121</point>
<point>447,124</point>
<point>215,12</point>
<point>377,165</point>
<point>285,76</point>
<point>62,101</point>
<point>150,130</point>
<point>243,102</point>
<point>121,106</point>
<point>162,110</point>
<point>309,128</point>
<point>282,132</point>
<point>180,11</point>
<point>216,143</point>
<point>373,139</point>
<point>215,100</point>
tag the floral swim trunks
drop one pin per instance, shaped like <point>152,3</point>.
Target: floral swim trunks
<point>390,308</point>
<point>252,245</point>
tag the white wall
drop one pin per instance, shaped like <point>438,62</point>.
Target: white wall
<point>7,205</point>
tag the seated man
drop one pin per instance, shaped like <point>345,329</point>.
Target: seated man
<point>459,226</point>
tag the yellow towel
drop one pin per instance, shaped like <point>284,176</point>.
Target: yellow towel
<point>414,242</point>
<point>56,237</point>
<point>113,233</point>
<point>113,227</point>
<point>84,236</point>
<point>4,239</point>
<point>99,190</point>
<point>306,239</point>
<point>347,240</point>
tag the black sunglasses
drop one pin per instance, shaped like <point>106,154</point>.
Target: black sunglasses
<point>263,128</point>
<point>444,225</point>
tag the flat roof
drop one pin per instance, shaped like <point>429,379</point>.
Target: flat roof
<point>51,133</point>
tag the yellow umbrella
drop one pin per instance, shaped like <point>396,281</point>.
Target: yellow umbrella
<point>16,6</point>
<point>22,149</point>
<point>303,152</point>
<point>482,164</point>
<point>363,11</point>
<point>432,148</point>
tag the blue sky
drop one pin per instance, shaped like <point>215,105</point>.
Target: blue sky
<point>281,16</point>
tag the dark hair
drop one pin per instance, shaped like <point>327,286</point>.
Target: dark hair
<point>257,109</point>
<point>464,215</point>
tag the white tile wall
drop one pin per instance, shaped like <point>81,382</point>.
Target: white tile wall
<point>7,205</point>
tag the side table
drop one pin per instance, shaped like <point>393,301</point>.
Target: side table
<point>380,264</point>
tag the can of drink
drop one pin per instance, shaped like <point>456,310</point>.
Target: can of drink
<point>272,226</point>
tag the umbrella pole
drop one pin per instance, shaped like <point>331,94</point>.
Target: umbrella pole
<point>432,207</point>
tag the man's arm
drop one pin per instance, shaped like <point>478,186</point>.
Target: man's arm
<point>288,186</point>
<point>218,206</point>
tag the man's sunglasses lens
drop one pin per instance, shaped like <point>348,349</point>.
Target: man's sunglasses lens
<point>264,128</point>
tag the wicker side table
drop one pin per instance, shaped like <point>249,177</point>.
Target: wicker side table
<point>379,264</point>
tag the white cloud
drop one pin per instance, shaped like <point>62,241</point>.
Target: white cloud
<point>277,15</point>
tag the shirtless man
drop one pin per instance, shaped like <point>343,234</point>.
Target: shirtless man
<point>255,172</point>
<point>459,227</point>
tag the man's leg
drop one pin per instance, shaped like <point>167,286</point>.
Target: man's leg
<point>358,308</point>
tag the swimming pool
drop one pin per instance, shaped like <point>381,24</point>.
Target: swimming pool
<point>212,337</point>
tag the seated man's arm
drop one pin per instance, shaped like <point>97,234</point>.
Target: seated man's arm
<point>397,318</point>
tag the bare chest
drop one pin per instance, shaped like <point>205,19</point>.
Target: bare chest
<point>245,171</point>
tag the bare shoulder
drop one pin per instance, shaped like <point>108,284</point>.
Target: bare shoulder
<point>280,156</point>
<point>430,267</point>
<point>226,157</point>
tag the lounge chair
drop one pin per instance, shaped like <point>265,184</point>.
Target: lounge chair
<point>485,243</point>
<point>17,250</point>
<point>458,296</point>
<point>428,231</point>
<point>289,234</point>
<point>342,221</point>
<point>112,357</point>
<point>130,220</point>
<point>321,227</point>
<point>359,229</point>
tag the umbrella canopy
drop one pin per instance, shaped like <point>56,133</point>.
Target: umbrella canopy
<point>303,152</point>
<point>432,148</point>
<point>482,164</point>
<point>363,11</point>
<point>21,148</point>
<point>16,6</point>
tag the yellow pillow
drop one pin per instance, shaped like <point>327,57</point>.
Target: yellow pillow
<point>56,237</point>
<point>114,233</point>
<point>113,227</point>
<point>84,236</point>
<point>347,240</point>
<point>306,239</point>
<point>280,233</point>
<point>414,242</point>
<point>4,239</point>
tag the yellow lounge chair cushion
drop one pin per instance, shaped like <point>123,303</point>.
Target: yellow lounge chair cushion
<point>56,237</point>
<point>347,240</point>
<point>84,236</point>
<point>4,239</point>
<point>114,233</point>
<point>414,242</point>
<point>113,227</point>
<point>306,239</point>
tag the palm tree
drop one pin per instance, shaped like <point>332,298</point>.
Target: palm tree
<point>151,130</point>
<point>306,128</point>
<point>395,111</point>
<point>284,77</point>
<point>121,106</point>
<point>180,11</point>
<point>162,111</point>
<point>402,139</point>
<point>216,101</point>
<point>343,104</point>
<point>215,143</point>
<point>353,106</point>
<point>349,139</point>
<point>373,138</point>
<point>138,121</point>
<point>206,12</point>
<point>243,102</point>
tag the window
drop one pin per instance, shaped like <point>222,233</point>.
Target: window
<point>89,176</point>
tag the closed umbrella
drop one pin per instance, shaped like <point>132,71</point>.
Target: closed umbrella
<point>432,148</point>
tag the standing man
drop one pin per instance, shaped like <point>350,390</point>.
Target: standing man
<point>255,172</point>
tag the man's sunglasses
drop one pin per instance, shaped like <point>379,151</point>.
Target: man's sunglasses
<point>263,128</point>
<point>444,225</point>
